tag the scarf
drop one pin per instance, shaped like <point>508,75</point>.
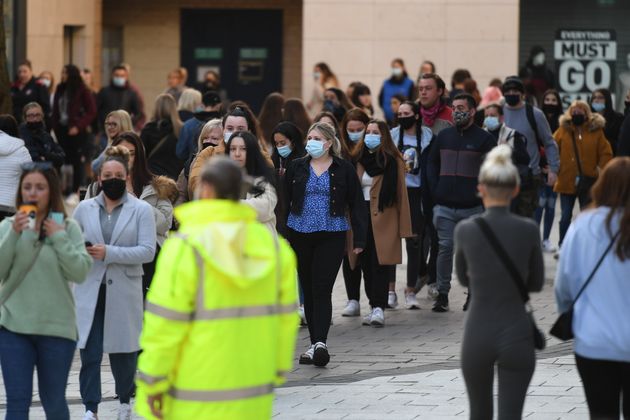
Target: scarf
<point>372,162</point>
<point>430,114</point>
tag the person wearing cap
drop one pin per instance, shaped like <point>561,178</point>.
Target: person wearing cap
<point>221,321</point>
<point>187,144</point>
<point>530,122</point>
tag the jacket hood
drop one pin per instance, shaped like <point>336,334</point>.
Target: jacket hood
<point>232,242</point>
<point>165,188</point>
<point>8,144</point>
<point>594,123</point>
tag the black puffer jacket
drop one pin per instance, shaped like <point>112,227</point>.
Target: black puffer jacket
<point>159,144</point>
<point>41,145</point>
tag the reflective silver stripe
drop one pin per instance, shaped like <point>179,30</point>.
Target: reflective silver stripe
<point>243,312</point>
<point>224,395</point>
<point>167,313</point>
<point>287,309</point>
<point>150,380</point>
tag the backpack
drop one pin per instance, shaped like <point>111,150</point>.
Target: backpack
<point>529,111</point>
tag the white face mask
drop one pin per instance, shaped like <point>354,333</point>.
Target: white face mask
<point>539,59</point>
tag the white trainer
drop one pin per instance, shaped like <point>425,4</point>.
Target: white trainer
<point>432,291</point>
<point>378,318</point>
<point>124,412</point>
<point>352,308</point>
<point>548,247</point>
<point>367,320</point>
<point>411,301</point>
<point>392,300</point>
<point>90,416</point>
<point>302,316</point>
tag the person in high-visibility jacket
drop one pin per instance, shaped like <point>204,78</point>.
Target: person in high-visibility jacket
<point>221,316</point>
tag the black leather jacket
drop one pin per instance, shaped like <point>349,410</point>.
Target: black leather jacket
<point>345,193</point>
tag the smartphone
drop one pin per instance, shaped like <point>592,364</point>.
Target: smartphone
<point>57,217</point>
<point>88,244</point>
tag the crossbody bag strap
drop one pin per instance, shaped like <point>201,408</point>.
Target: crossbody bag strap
<point>577,154</point>
<point>599,263</point>
<point>504,257</point>
<point>158,146</point>
<point>15,285</point>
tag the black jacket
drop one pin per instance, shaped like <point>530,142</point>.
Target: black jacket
<point>611,130</point>
<point>111,98</point>
<point>454,163</point>
<point>33,91</point>
<point>345,193</point>
<point>41,146</point>
<point>161,155</point>
<point>623,144</point>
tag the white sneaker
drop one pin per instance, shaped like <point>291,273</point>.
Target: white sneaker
<point>90,416</point>
<point>411,301</point>
<point>306,358</point>
<point>432,291</point>
<point>302,316</point>
<point>367,320</point>
<point>378,318</point>
<point>124,412</point>
<point>352,308</point>
<point>548,247</point>
<point>392,300</point>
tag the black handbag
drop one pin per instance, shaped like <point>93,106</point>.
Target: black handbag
<point>583,183</point>
<point>539,336</point>
<point>563,327</point>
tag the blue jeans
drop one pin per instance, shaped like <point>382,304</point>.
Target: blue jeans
<point>19,354</point>
<point>547,204</point>
<point>567,202</point>
<point>445,219</point>
<point>123,365</point>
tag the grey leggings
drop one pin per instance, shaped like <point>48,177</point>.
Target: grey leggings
<point>515,364</point>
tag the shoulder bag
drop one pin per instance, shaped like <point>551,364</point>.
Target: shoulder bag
<point>539,337</point>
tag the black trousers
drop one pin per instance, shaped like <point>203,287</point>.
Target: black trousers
<point>604,382</point>
<point>414,245</point>
<point>149,272</point>
<point>73,148</point>
<point>319,256</point>
<point>352,279</point>
<point>377,276</point>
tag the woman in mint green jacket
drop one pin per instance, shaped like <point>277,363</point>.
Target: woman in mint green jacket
<point>39,258</point>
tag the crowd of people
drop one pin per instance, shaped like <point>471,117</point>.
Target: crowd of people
<point>214,190</point>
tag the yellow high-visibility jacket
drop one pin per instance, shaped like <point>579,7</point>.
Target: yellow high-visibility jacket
<point>221,316</point>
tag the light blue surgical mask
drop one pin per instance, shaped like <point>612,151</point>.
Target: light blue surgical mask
<point>315,148</point>
<point>355,137</point>
<point>226,136</point>
<point>598,106</point>
<point>200,108</point>
<point>491,123</point>
<point>284,151</point>
<point>372,141</point>
<point>119,81</point>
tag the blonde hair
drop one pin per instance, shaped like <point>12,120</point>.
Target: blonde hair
<point>498,171</point>
<point>328,132</point>
<point>189,100</point>
<point>118,154</point>
<point>124,121</point>
<point>166,109</point>
<point>588,115</point>
<point>207,128</point>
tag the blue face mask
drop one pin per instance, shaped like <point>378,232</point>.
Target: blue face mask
<point>355,137</point>
<point>372,141</point>
<point>598,106</point>
<point>119,81</point>
<point>284,151</point>
<point>315,148</point>
<point>491,123</point>
<point>200,108</point>
<point>226,136</point>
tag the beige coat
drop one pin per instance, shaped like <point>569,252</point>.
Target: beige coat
<point>390,225</point>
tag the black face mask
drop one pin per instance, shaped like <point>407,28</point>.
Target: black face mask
<point>551,109</point>
<point>35,125</point>
<point>114,188</point>
<point>577,119</point>
<point>407,122</point>
<point>512,100</point>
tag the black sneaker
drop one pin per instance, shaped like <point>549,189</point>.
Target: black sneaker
<point>320,355</point>
<point>441,303</point>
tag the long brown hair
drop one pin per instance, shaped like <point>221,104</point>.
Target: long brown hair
<point>387,150</point>
<point>295,112</point>
<point>166,109</point>
<point>612,189</point>
<point>141,175</point>
<point>270,115</point>
<point>55,198</point>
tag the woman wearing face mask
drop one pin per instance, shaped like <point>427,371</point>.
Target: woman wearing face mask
<point>74,110</point>
<point>336,102</point>
<point>601,102</point>
<point>39,259</point>
<point>47,79</point>
<point>398,83</point>
<point>159,137</point>
<point>37,139</point>
<point>584,151</point>
<point>243,148</point>
<point>116,122</point>
<point>412,139</point>
<point>552,108</point>
<point>323,78</point>
<point>352,130</point>
<point>381,169</point>
<point>321,189</point>
<point>119,231</point>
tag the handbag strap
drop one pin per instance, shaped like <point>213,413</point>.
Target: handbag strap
<point>158,146</point>
<point>504,257</point>
<point>7,295</point>
<point>599,263</point>
<point>577,155</point>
